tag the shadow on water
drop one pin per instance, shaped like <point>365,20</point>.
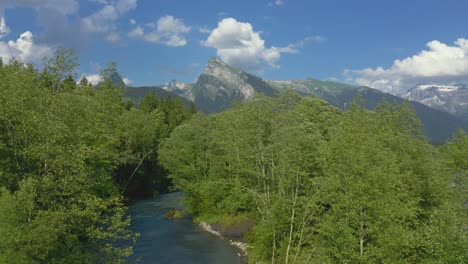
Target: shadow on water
<point>174,241</point>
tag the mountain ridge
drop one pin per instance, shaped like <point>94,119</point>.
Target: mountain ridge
<point>221,85</point>
<point>449,98</point>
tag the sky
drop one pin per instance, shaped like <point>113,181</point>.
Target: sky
<point>389,45</point>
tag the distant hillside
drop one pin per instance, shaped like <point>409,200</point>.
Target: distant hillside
<point>448,98</point>
<point>221,85</point>
<point>438,125</point>
<point>136,94</point>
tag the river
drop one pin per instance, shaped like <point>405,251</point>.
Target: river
<point>174,241</point>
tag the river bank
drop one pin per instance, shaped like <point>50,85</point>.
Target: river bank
<point>175,240</point>
<point>242,246</point>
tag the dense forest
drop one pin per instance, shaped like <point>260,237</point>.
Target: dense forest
<point>71,155</point>
<point>320,185</point>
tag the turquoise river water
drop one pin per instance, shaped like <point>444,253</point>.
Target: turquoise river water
<point>174,241</point>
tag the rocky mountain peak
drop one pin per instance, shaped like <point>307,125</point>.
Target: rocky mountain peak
<point>216,66</point>
<point>229,80</point>
<point>222,84</point>
<point>179,88</point>
<point>449,98</point>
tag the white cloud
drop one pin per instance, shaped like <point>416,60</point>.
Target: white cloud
<point>132,21</point>
<point>62,25</point>
<point>7,52</point>
<point>59,20</point>
<point>238,44</point>
<point>93,78</point>
<point>24,48</point>
<point>440,63</point>
<point>169,31</point>
<point>279,2</point>
<point>126,5</point>
<point>127,81</point>
<point>137,32</point>
<point>104,20</point>
<point>172,24</point>
<point>4,29</point>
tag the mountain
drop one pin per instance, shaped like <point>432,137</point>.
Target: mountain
<point>136,94</point>
<point>448,98</point>
<point>438,125</point>
<point>220,85</point>
<point>178,88</point>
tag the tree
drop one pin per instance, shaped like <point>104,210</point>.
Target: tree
<point>84,82</point>
<point>111,78</point>
<point>69,84</point>
<point>321,185</point>
<point>58,200</point>
<point>60,66</point>
<point>150,102</point>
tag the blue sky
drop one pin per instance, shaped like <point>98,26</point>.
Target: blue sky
<point>156,41</point>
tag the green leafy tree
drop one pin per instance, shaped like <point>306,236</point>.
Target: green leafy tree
<point>59,67</point>
<point>58,200</point>
<point>321,185</point>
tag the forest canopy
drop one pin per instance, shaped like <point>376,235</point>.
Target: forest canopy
<point>322,185</point>
<point>70,155</point>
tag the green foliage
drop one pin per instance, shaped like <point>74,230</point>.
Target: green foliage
<point>321,185</point>
<point>59,68</point>
<point>173,214</point>
<point>141,132</point>
<point>61,148</point>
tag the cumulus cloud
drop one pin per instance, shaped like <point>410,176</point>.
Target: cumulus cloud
<point>238,44</point>
<point>137,32</point>
<point>24,48</point>
<point>4,29</point>
<point>169,31</point>
<point>58,19</point>
<point>439,63</point>
<point>93,79</point>
<point>127,81</point>
<point>104,20</point>
<point>63,26</point>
